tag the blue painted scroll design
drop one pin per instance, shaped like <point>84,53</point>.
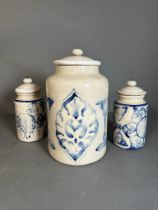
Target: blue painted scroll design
<point>121,111</point>
<point>120,139</point>
<point>102,104</point>
<point>50,102</point>
<point>76,125</point>
<point>32,118</point>
<point>133,133</point>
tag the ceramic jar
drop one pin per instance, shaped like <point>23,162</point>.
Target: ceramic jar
<point>130,117</point>
<point>77,118</point>
<point>30,112</point>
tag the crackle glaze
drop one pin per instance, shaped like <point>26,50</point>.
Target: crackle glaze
<point>130,117</point>
<point>77,96</point>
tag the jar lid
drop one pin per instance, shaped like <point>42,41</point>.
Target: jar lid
<point>77,59</point>
<point>131,89</point>
<point>27,87</point>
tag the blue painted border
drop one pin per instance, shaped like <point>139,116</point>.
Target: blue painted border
<point>117,103</point>
<point>41,99</point>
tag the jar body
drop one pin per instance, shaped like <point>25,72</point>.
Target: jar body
<point>130,125</point>
<point>30,120</point>
<point>77,116</point>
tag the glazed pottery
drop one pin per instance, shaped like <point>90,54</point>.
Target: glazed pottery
<point>130,117</point>
<point>77,96</point>
<point>30,112</point>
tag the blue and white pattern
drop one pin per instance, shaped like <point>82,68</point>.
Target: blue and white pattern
<point>76,126</point>
<point>121,111</point>
<point>50,102</point>
<point>130,125</point>
<point>103,107</point>
<point>31,119</point>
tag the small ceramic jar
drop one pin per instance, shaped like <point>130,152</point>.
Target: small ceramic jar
<point>30,112</point>
<point>130,117</point>
<point>77,117</point>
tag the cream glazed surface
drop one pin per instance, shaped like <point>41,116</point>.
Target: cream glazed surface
<point>29,112</point>
<point>77,97</point>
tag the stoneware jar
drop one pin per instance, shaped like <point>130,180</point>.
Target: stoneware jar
<point>30,112</point>
<point>77,102</point>
<point>130,117</point>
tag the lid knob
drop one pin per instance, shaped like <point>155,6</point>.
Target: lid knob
<point>131,83</point>
<point>131,93</point>
<point>27,91</point>
<point>27,80</point>
<point>77,59</point>
<point>77,52</point>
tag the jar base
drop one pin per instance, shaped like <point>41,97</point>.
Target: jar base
<point>31,140</point>
<point>131,148</point>
<point>76,163</point>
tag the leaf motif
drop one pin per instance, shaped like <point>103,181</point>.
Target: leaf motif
<point>103,107</point>
<point>76,125</point>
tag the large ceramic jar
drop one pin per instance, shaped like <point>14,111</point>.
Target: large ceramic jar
<point>30,112</point>
<point>77,110</point>
<point>130,117</point>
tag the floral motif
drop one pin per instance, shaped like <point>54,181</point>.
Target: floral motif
<point>31,119</point>
<point>130,134</point>
<point>76,125</point>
